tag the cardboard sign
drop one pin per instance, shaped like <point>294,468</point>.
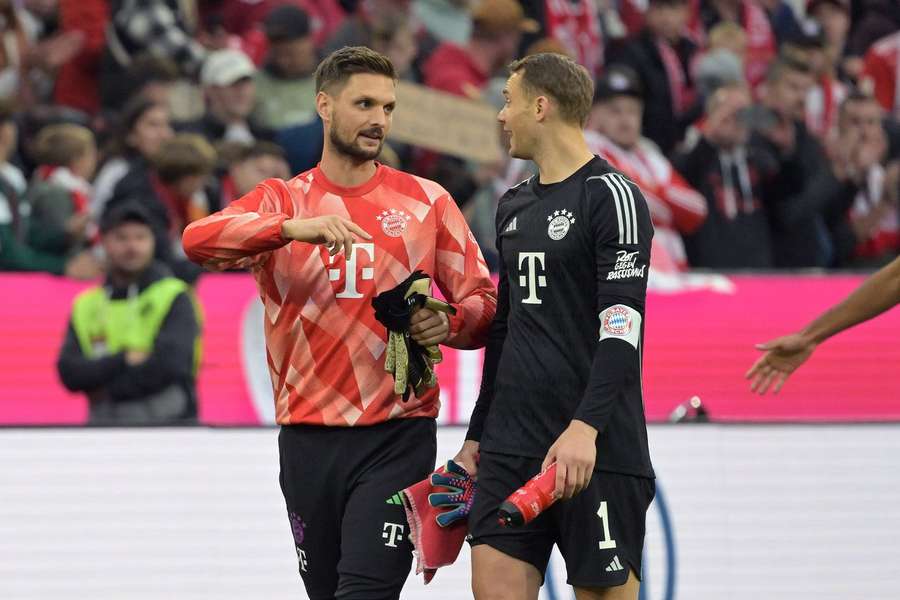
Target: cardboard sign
<point>446,123</point>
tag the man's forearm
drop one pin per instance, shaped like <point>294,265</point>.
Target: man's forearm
<point>877,294</point>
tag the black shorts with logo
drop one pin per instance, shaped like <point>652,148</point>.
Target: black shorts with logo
<point>600,532</point>
<point>339,484</point>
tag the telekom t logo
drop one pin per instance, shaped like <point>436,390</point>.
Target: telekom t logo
<point>393,533</point>
<point>365,273</point>
<point>531,279</point>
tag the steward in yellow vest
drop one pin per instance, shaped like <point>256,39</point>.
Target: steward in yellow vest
<point>133,343</point>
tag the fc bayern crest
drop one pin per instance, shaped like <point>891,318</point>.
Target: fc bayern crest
<point>617,321</point>
<point>393,222</point>
<point>560,222</point>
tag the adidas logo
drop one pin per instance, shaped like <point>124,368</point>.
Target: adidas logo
<point>395,499</point>
<point>615,565</point>
<point>512,226</point>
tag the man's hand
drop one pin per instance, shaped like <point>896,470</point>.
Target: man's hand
<point>574,452</point>
<point>83,266</point>
<point>783,356</point>
<point>428,327</point>
<point>467,458</point>
<point>335,232</point>
<point>134,358</point>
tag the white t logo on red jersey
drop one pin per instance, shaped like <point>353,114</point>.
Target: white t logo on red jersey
<point>350,281</point>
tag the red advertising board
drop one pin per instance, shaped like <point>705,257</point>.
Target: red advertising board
<point>699,341</point>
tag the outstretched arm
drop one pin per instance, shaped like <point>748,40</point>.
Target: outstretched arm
<point>784,355</point>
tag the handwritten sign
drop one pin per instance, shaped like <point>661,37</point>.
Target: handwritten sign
<point>446,123</point>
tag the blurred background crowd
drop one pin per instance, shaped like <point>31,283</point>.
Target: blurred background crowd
<point>764,133</point>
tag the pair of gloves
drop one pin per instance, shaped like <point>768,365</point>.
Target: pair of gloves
<point>458,497</point>
<point>411,365</point>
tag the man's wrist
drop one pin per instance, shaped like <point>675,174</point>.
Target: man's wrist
<point>584,428</point>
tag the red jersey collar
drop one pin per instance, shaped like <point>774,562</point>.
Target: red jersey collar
<point>360,190</point>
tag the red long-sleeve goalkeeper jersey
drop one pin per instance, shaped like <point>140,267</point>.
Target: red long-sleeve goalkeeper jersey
<point>325,349</point>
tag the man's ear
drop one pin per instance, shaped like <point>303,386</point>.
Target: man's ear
<point>541,108</point>
<point>324,105</point>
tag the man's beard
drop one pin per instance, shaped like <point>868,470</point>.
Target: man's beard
<point>350,149</point>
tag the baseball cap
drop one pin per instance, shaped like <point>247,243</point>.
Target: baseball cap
<point>225,67</point>
<point>287,22</point>
<point>618,80</point>
<point>500,16</point>
<point>130,212</point>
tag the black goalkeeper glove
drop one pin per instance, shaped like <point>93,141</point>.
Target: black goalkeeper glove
<point>409,363</point>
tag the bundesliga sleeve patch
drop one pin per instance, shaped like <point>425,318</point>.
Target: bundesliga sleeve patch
<point>622,322</point>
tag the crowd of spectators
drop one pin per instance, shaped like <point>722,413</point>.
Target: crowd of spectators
<point>764,133</point>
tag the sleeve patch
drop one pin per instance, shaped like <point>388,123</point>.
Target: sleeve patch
<point>623,322</point>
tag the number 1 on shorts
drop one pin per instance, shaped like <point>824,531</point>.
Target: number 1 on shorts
<point>606,543</point>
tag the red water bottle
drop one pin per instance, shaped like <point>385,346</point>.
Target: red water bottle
<point>530,500</point>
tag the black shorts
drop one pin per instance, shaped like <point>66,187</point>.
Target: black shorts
<point>600,532</point>
<point>339,485</point>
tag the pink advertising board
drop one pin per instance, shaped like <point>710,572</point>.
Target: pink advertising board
<point>699,341</point>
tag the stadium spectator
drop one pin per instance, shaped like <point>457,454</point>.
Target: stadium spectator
<point>285,86</point>
<point>805,198</point>
<point>872,20</point>
<point>862,145</point>
<point>143,127</point>
<point>16,253</point>
<point>464,70</point>
<point>728,172</point>
<point>230,93</point>
<point>247,166</point>
<point>722,63</point>
<point>575,24</point>
<point>811,46</point>
<point>675,207</point>
<point>60,191</point>
<point>161,28</point>
<point>149,77</point>
<point>172,193</point>
<point>762,45</point>
<point>78,78</point>
<point>661,56</point>
<point>132,344</point>
<point>356,29</point>
<point>882,72</point>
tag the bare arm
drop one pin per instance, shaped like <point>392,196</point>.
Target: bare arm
<point>784,355</point>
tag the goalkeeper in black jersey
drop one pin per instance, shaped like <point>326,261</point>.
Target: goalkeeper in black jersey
<point>562,373</point>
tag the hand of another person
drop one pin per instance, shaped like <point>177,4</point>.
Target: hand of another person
<point>84,265</point>
<point>77,224</point>
<point>136,357</point>
<point>783,356</point>
<point>574,452</point>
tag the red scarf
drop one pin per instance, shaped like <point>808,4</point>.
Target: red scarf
<point>80,200</point>
<point>681,93</point>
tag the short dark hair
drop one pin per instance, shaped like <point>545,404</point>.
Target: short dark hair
<point>856,95</point>
<point>785,63</point>
<point>184,155</point>
<point>230,153</point>
<point>561,78</point>
<point>63,143</point>
<point>338,66</point>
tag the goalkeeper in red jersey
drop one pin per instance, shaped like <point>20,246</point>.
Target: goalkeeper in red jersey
<point>321,246</point>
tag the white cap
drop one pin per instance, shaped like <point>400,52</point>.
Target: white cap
<point>225,67</point>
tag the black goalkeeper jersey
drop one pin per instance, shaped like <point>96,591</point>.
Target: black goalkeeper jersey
<point>567,339</point>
